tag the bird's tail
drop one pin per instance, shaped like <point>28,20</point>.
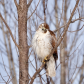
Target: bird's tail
<point>51,67</point>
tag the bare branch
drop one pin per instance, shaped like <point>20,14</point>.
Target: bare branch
<point>34,76</point>
<point>75,49</point>
<point>29,3</point>
<point>34,10</point>
<point>66,23</point>
<point>39,16</point>
<point>77,19</point>
<point>9,31</point>
<point>2,78</point>
<point>66,28</point>
<point>16,3</point>
<point>77,30</point>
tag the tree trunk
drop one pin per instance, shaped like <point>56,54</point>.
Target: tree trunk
<point>64,49</point>
<point>23,47</point>
<point>63,68</point>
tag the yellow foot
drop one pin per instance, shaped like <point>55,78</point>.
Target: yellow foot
<point>45,59</point>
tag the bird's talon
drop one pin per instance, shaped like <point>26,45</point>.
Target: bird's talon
<point>45,59</point>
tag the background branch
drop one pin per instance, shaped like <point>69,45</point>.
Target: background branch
<point>34,10</point>
<point>16,3</point>
<point>9,31</point>
<point>66,23</point>
<point>29,3</point>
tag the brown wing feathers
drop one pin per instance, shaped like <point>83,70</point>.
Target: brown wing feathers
<point>55,55</point>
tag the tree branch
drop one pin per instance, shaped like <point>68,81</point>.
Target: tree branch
<point>66,28</point>
<point>29,3</point>
<point>71,22</point>
<point>9,31</point>
<point>34,10</point>
<point>16,3</point>
<point>38,71</point>
<point>77,30</point>
<point>77,19</point>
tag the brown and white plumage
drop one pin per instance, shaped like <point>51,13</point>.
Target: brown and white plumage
<point>43,42</point>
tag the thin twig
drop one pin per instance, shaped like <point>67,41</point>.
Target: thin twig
<point>66,23</point>
<point>77,19</point>
<point>39,16</point>
<point>16,3</point>
<point>29,3</point>
<point>34,10</point>
<point>9,31</point>
<point>77,30</point>
<point>76,48</point>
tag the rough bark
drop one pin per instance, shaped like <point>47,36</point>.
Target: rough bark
<point>23,47</point>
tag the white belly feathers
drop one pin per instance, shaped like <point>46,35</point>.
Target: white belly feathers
<point>41,44</point>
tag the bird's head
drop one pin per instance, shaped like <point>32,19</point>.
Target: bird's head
<point>43,27</point>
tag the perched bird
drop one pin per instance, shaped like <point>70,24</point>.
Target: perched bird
<point>43,42</point>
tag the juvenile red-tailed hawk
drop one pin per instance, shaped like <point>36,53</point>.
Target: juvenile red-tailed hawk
<point>43,42</point>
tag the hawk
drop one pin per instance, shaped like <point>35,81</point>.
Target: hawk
<point>43,42</point>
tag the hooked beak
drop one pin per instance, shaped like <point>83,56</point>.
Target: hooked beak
<point>44,29</point>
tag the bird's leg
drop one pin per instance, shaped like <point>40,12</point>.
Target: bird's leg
<point>45,59</point>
